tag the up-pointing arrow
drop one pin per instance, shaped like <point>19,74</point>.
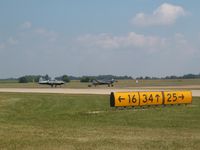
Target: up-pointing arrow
<point>157,96</point>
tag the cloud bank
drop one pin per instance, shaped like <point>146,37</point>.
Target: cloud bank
<point>166,14</point>
<point>26,25</point>
<point>131,40</point>
<point>40,50</point>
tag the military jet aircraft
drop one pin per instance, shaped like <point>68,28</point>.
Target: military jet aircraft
<point>96,82</point>
<point>51,82</point>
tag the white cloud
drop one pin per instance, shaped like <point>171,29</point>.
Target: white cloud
<point>51,35</point>
<point>131,40</point>
<point>9,42</point>
<point>26,25</point>
<point>199,36</point>
<point>41,31</point>
<point>180,39</point>
<point>12,41</point>
<point>102,40</point>
<point>2,46</point>
<point>166,14</point>
<point>183,45</point>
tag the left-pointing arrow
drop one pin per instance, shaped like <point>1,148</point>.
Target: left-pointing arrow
<point>120,99</point>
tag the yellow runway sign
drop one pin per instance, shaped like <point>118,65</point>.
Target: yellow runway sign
<point>123,99</point>
<point>178,97</point>
<point>126,99</point>
<point>151,98</point>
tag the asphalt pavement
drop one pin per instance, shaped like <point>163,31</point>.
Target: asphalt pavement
<point>80,91</point>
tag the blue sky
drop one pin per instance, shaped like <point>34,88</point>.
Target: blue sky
<point>90,37</point>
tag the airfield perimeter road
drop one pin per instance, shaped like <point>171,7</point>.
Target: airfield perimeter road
<point>195,92</point>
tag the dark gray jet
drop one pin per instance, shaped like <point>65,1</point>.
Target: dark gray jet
<point>96,82</point>
<point>51,82</point>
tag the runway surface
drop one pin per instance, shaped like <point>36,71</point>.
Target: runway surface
<point>80,91</point>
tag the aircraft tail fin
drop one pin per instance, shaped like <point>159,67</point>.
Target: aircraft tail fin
<point>41,79</point>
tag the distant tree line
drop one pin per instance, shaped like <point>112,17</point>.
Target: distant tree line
<point>66,78</point>
<point>35,78</point>
<point>85,79</point>
<point>147,78</point>
<point>104,77</point>
<point>29,78</point>
<point>187,76</point>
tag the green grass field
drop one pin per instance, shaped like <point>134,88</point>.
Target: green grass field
<point>119,84</point>
<point>62,121</point>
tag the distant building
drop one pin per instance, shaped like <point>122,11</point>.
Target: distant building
<point>136,81</point>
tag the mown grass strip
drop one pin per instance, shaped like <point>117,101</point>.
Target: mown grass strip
<point>63,121</point>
